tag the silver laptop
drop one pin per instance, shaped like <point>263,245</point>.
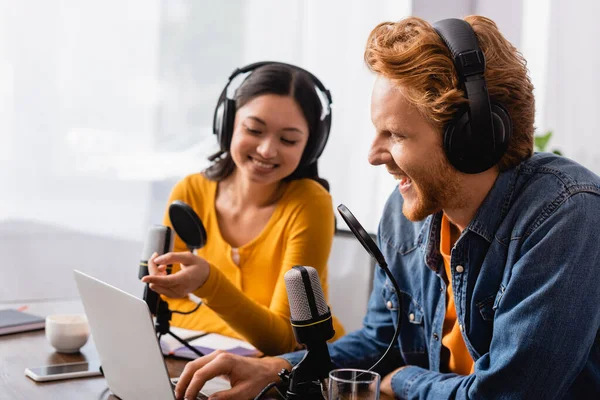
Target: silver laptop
<point>126,341</point>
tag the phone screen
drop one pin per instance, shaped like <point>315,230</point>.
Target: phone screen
<point>48,370</point>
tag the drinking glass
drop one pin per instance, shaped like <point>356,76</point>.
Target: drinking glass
<point>353,384</point>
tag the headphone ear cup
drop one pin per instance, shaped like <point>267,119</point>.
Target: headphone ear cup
<point>473,154</point>
<point>454,140</point>
<point>322,134</point>
<point>224,126</point>
<point>502,129</point>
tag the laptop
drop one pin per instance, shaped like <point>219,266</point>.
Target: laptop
<point>125,337</point>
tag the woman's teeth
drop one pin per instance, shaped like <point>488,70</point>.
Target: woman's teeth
<point>263,164</point>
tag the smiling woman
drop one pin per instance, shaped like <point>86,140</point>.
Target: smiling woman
<point>264,207</point>
<point>270,134</point>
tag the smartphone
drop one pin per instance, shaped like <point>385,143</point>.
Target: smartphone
<point>64,371</point>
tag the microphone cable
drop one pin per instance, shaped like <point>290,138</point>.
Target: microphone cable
<point>267,388</point>
<point>186,312</point>
<point>194,299</point>
<point>387,271</point>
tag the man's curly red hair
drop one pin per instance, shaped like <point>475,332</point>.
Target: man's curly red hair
<point>412,54</point>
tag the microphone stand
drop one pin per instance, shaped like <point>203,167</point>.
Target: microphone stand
<point>162,326</point>
<point>160,309</point>
<point>306,376</point>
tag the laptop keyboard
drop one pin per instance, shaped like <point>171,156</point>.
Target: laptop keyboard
<point>200,395</point>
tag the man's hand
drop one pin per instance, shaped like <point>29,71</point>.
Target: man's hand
<point>193,274</point>
<point>386,383</point>
<point>248,376</point>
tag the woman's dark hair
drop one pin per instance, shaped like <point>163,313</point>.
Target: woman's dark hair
<point>286,81</point>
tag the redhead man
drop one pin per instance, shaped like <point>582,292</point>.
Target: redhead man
<point>495,248</point>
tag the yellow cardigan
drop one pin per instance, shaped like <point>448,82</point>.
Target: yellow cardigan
<point>250,301</point>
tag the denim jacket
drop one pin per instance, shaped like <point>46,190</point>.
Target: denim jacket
<point>525,274</point>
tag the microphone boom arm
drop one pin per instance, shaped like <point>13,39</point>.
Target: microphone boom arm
<point>365,239</point>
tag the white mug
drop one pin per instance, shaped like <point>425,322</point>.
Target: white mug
<point>67,333</point>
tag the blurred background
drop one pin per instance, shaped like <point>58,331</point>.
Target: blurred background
<point>105,105</point>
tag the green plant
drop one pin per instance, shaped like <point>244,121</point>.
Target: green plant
<point>540,143</point>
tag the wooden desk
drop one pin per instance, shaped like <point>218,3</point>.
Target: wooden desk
<point>31,349</point>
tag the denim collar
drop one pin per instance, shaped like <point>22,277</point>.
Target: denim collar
<point>495,206</point>
<point>490,214</point>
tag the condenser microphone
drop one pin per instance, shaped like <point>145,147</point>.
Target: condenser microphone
<point>159,240</point>
<point>312,324</point>
<point>309,312</point>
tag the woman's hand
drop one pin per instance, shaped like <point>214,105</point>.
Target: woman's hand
<point>193,274</point>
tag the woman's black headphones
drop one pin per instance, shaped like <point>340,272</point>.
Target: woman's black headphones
<point>225,114</point>
<point>478,135</point>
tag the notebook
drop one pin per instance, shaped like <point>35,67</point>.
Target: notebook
<point>13,321</point>
<point>126,341</point>
<point>206,343</point>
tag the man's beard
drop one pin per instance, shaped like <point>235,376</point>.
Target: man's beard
<point>432,193</point>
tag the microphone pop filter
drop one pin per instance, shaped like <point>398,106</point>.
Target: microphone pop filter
<point>187,225</point>
<point>361,234</point>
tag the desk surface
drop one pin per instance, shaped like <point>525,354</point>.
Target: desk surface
<point>31,349</point>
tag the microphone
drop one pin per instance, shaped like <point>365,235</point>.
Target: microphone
<point>312,324</point>
<point>159,240</point>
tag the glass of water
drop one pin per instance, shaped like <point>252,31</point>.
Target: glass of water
<point>353,384</point>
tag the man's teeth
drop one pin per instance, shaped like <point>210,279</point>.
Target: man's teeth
<point>403,179</point>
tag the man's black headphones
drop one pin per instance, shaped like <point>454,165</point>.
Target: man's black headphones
<point>225,115</point>
<point>478,135</point>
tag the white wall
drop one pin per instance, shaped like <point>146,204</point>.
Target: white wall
<point>572,82</point>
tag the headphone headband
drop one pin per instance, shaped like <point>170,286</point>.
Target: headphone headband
<point>484,129</point>
<point>224,116</point>
<point>253,66</point>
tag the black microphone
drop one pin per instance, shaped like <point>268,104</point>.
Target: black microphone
<point>160,241</point>
<point>312,324</point>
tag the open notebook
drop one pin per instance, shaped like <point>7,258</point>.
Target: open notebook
<point>204,342</point>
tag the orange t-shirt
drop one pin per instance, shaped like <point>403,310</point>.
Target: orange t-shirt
<point>458,358</point>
